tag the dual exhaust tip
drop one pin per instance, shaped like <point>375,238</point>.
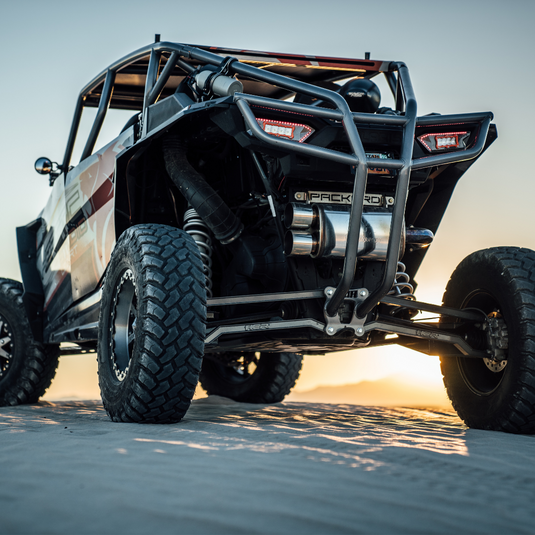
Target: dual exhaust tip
<point>320,232</point>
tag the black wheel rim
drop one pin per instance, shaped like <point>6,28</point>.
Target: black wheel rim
<point>482,376</point>
<point>6,346</point>
<point>123,324</point>
<point>237,368</point>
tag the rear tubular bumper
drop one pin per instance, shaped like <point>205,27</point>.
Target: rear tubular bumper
<point>405,164</point>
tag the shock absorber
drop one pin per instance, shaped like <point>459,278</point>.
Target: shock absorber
<point>402,286</point>
<point>198,230</point>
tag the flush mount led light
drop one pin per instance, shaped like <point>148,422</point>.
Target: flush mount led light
<point>444,141</point>
<point>283,131</point>
<point>294,131</point>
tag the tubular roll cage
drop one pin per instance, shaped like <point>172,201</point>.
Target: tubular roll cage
<point>401,87</point>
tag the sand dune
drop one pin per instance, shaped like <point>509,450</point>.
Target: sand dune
<point>391,391</point>
<point>240,468</point>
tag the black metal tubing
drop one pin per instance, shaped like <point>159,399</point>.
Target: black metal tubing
<point>185,66</point>
<point>402,191</point>
<point>425,332</point>
<point>192,53</point>
<point>159,47</point>
<point>392,82</point>
<point>466,314</point>
<point>468,154</point>
<point>101,113</point>
<point>399,96</point>
<point>444,120</point>
<point>200,55</point>
<point>405,163</point>
<point>293,146</point>
<point>324,113</point>
<point>264,298</point>
<point>72,134</point>
<point>175,51</point>
<point>402,187</point>
<point>152,75</point>
<point>361,172</point>
<point>150,81</point>
<point>429,161</point>
<point>100,78</point>
<point>162,79</point>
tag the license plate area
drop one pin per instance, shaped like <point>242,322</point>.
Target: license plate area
<point>333,197</point>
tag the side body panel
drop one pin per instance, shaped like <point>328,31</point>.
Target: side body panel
<point>89,201</point>
<point>53,262</point>
<point>78,233</point>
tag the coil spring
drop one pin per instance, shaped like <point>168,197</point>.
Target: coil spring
<point>402,283</point>
<point>198,230</point>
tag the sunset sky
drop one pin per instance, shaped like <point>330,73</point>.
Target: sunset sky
<point>463,56</point>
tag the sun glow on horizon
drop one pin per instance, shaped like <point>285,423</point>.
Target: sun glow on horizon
<point>369,364</point>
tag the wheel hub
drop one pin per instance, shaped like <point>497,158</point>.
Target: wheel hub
<point>498,342</point>
<point>239,365</point>
<point>123,324</point>
<point>495,365</point>
<point>6,346</point>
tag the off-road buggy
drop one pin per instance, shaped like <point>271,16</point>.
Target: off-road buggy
<point>258,207</point>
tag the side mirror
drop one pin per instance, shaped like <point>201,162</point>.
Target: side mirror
<point>43,166</point>
<point>46,167</point>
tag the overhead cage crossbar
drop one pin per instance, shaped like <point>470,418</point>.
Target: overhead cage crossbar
<point>185,56</point>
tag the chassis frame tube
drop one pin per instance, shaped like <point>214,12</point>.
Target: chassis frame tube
<point>426,333</point>
<point>465,314</point>
<point>419,332</point>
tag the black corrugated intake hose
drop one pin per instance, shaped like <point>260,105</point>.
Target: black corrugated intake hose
<point>200,195</point>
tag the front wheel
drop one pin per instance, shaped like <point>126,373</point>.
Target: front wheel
<point>152,325</point>
<point>496,393</point>
<point>251,377</point>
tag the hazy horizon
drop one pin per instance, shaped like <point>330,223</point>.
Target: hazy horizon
<point>77,379</point>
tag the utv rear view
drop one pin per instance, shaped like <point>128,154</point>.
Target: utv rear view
<point>256,208</point>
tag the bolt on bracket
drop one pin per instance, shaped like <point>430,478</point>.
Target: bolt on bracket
<point>334,324</point>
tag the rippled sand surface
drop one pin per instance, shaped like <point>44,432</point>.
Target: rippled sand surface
<point>241,468</point>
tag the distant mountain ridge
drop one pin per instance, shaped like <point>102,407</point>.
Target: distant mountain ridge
<point>387,392</point>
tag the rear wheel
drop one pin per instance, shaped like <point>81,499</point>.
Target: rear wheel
<point>27,367</point>
<point>496,393</point>
<point>152,325</point>
<point>251,377</point>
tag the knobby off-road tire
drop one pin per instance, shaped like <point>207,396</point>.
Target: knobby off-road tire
<point>26,366</point>
<point>251,377</point>
<point>152,325</point>
<point>501,282</point>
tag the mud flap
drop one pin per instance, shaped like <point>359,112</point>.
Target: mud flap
<point>33,297</point>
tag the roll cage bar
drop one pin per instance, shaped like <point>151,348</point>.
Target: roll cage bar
<point>397,74</point>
